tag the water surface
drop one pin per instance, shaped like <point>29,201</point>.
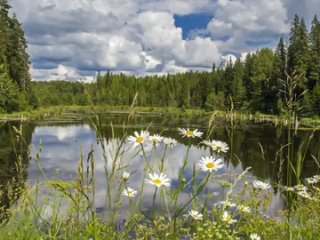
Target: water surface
<point>62,144</point>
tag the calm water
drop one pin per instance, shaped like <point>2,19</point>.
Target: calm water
<point>61,144</point>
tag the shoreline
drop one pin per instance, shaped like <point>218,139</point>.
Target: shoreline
<point>79,113</point>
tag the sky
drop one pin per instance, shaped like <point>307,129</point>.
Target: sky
<point>74,39</point>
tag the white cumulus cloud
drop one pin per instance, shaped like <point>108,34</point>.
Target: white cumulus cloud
<point>74,39</point>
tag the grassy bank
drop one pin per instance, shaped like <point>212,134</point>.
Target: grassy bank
<point>74,113</point>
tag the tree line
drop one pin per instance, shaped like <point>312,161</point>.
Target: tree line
<point>15,79</point>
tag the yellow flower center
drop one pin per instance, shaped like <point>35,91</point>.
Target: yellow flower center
<point>156,181</point>
<point>190,133</point>
<point>210,165</point>
<point>219,148</point>
<point>228,218</point>
<point>140,139</point>
<point>154,140</point>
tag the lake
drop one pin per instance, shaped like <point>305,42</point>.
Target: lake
<point>251,145</point>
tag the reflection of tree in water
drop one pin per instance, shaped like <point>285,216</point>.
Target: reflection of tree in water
<point>14,161</point>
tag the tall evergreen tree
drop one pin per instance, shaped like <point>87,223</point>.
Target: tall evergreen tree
<point>298,54</point>
<point>4,28</point>
<point>17,56</point>
<point>238,89</point>
<point>314,66</point>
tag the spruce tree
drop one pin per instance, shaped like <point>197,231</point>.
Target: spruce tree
<point>17,56</point>
<point>298,54</point>
<point>314,66</point>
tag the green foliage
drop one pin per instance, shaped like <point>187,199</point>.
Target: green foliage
<point>9,93</point>
<point>14,62</point>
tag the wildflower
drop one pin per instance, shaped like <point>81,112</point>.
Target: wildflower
<point>158,180</point>
<point>170,142</point>
<point>317,177</point>
<point>215,194</point>
<point>227,204</point>
<point>244,209</point>
<point>305,194</point>
<point>156,138</point>
<point>257,184</point>
<point>210,164</point>
<point>226,217</point>
<point>289,189</point>
<point>195,215</point>
<point>254,236</point>
<point>313,180</point>
<point>139,138</point>
<point>300,187</point>
<point>129,192</point>
<point>217,146</point>
<point>190,133</point>
<point>125,176</point>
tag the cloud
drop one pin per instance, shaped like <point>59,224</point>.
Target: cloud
<point>74,39</point>
<point>306,9</point>
<point>237,22</point>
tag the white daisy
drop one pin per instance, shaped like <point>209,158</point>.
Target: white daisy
<point>190,133</point>
<point>170,142</point>
<point>217,146</point>
<point>125,175</point>
<point>254,236</point>
<point>257,184</point>
<point>300,187</point>
<point>210,164</point>
<point>156,138</point>
<point>138,138</point>
<point>195,215</point>
<point>317,177</point>
<point>158,180</point>
<point>289,189</point>
<point>244,209</point>
<point>312,180</point>
<point>129,192</point>
<point>226,217</point>
<point>227,204</point>
<point>305,194</point>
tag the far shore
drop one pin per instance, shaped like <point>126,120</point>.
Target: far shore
<point>78,113</point>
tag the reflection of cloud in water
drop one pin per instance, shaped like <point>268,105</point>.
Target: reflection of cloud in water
<point>61,133</point>
<point>61,150</point>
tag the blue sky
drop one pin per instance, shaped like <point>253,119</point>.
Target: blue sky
<point>74,39</point>
<point>191,22</point>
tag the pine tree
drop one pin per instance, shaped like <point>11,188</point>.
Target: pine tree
<point>279,73</point>
<point>17,56</point>
<point>298,54</point>
<point>293,44</point>
<point>4,27</point>
<point>238,89</point>
<point>314,66</point>
<point>281,59</point>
